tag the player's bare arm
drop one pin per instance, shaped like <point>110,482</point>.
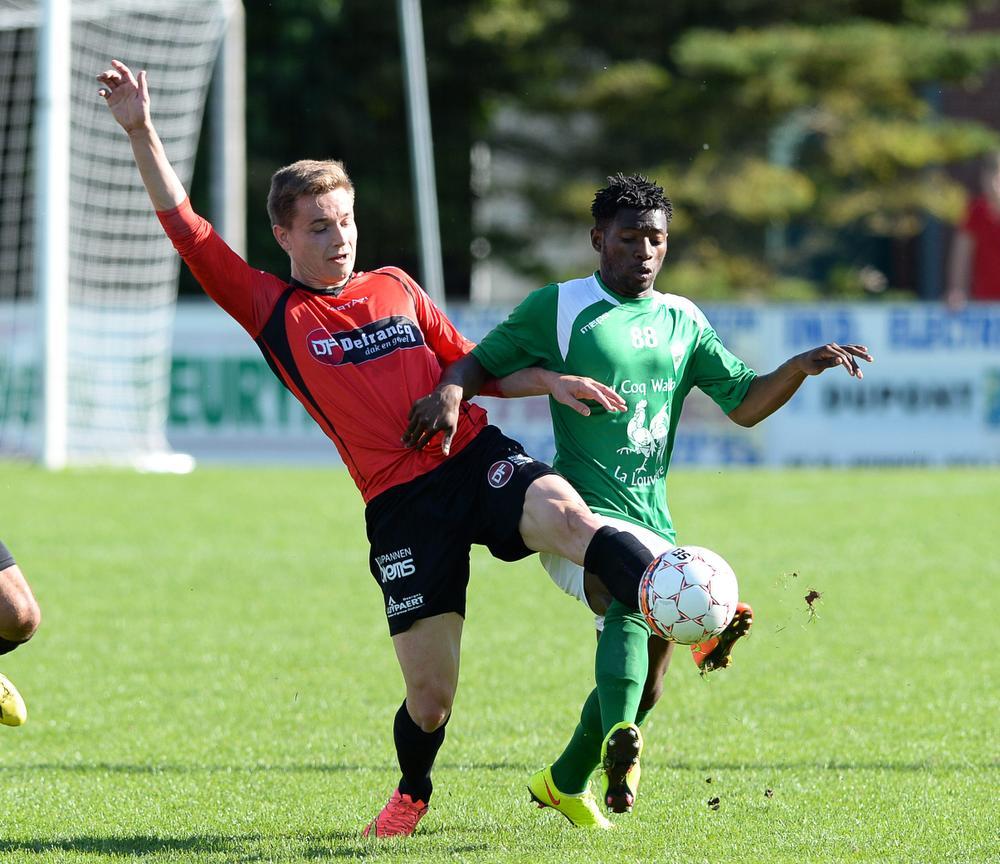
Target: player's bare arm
<point>127,98</point>
<point>438,411</point>
<point>767,393</point>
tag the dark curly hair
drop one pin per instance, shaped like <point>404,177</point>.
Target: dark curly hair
<point>634,192</point>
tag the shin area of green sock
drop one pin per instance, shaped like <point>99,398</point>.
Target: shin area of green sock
<point>621,666</point>
<point>573,768</point>
<point>582,755</point>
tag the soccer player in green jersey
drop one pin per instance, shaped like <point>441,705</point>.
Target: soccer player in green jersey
<point>652,349</point>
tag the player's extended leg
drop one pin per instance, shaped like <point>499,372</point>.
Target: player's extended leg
<point>19,619</point>
<point>660,652</point>
<point>428,655</point>
<point>555,519</point>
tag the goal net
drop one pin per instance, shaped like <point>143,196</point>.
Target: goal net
<point>123,271</point>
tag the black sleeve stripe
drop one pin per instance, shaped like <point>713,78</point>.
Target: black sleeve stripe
<point>274,345</point>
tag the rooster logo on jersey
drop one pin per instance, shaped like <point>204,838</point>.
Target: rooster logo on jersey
<point>649,442</point>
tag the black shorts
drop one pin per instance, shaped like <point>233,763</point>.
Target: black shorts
<point>421,531</point>
<point>6,559</point>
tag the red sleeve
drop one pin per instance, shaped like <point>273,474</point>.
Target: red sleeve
<point>247,294</point>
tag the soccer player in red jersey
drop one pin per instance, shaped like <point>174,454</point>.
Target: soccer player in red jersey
<point>19,619</point>
<point>357,349</point>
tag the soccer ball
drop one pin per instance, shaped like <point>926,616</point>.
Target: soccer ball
<point>688,594</point>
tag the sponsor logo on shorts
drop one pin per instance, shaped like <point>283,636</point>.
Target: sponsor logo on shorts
<point>396,565</point>
<point>368,342</point>
<point>393,607</point>
<point>499,473</point>
<point>520,459</point>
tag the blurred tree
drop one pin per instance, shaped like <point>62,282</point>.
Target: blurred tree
<point>789,135</point>
<point>324,80</point>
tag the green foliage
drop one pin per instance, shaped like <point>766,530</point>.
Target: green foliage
<point>819,125</point>
<point>817,122</point>
<point>513,24</point>
<point>751,189</point>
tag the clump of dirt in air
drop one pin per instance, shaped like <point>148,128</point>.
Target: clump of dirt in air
<point>812,598</point>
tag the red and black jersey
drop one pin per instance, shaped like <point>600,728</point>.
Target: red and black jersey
<point>356,359</point>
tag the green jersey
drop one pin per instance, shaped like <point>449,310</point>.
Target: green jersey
<point>652,351</point>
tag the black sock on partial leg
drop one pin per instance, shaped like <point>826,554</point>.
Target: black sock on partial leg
<point>8,645</point>
<point>619,559</point>
<point>416,751</point>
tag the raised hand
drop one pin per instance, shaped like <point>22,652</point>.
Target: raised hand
<point>126,96</point>
<point>830,355</point>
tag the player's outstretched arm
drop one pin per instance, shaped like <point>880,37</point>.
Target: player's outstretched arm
<point>767,393</point>
<point>570,390</point>
<point>438,411</point>
<point>127,98</point>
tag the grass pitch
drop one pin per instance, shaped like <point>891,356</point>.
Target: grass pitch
<point>213,682</point>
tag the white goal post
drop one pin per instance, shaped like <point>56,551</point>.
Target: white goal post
<point>85,373</point>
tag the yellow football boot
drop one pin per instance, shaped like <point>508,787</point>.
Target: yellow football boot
<point>620,763</point>
<point>581,809</point>
<point>12,710</point>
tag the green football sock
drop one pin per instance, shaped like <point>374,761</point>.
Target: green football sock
<point>572,770</point>
<point>622,665</point>
<point>621,671</point>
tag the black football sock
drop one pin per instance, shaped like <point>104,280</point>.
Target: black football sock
<point>7,645</point>
<point>415,750</point>
<point>619,560</point>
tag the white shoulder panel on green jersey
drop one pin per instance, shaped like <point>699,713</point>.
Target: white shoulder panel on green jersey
<point>679,350</point>
<point>575,296</point>
<point>675,301</point>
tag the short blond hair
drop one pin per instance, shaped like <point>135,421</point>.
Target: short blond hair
<point>305,177</point>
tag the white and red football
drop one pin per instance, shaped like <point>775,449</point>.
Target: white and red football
<point>688,594</point>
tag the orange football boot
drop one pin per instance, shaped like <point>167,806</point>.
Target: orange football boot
<point>714,653</point>
<point>398,818</point>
